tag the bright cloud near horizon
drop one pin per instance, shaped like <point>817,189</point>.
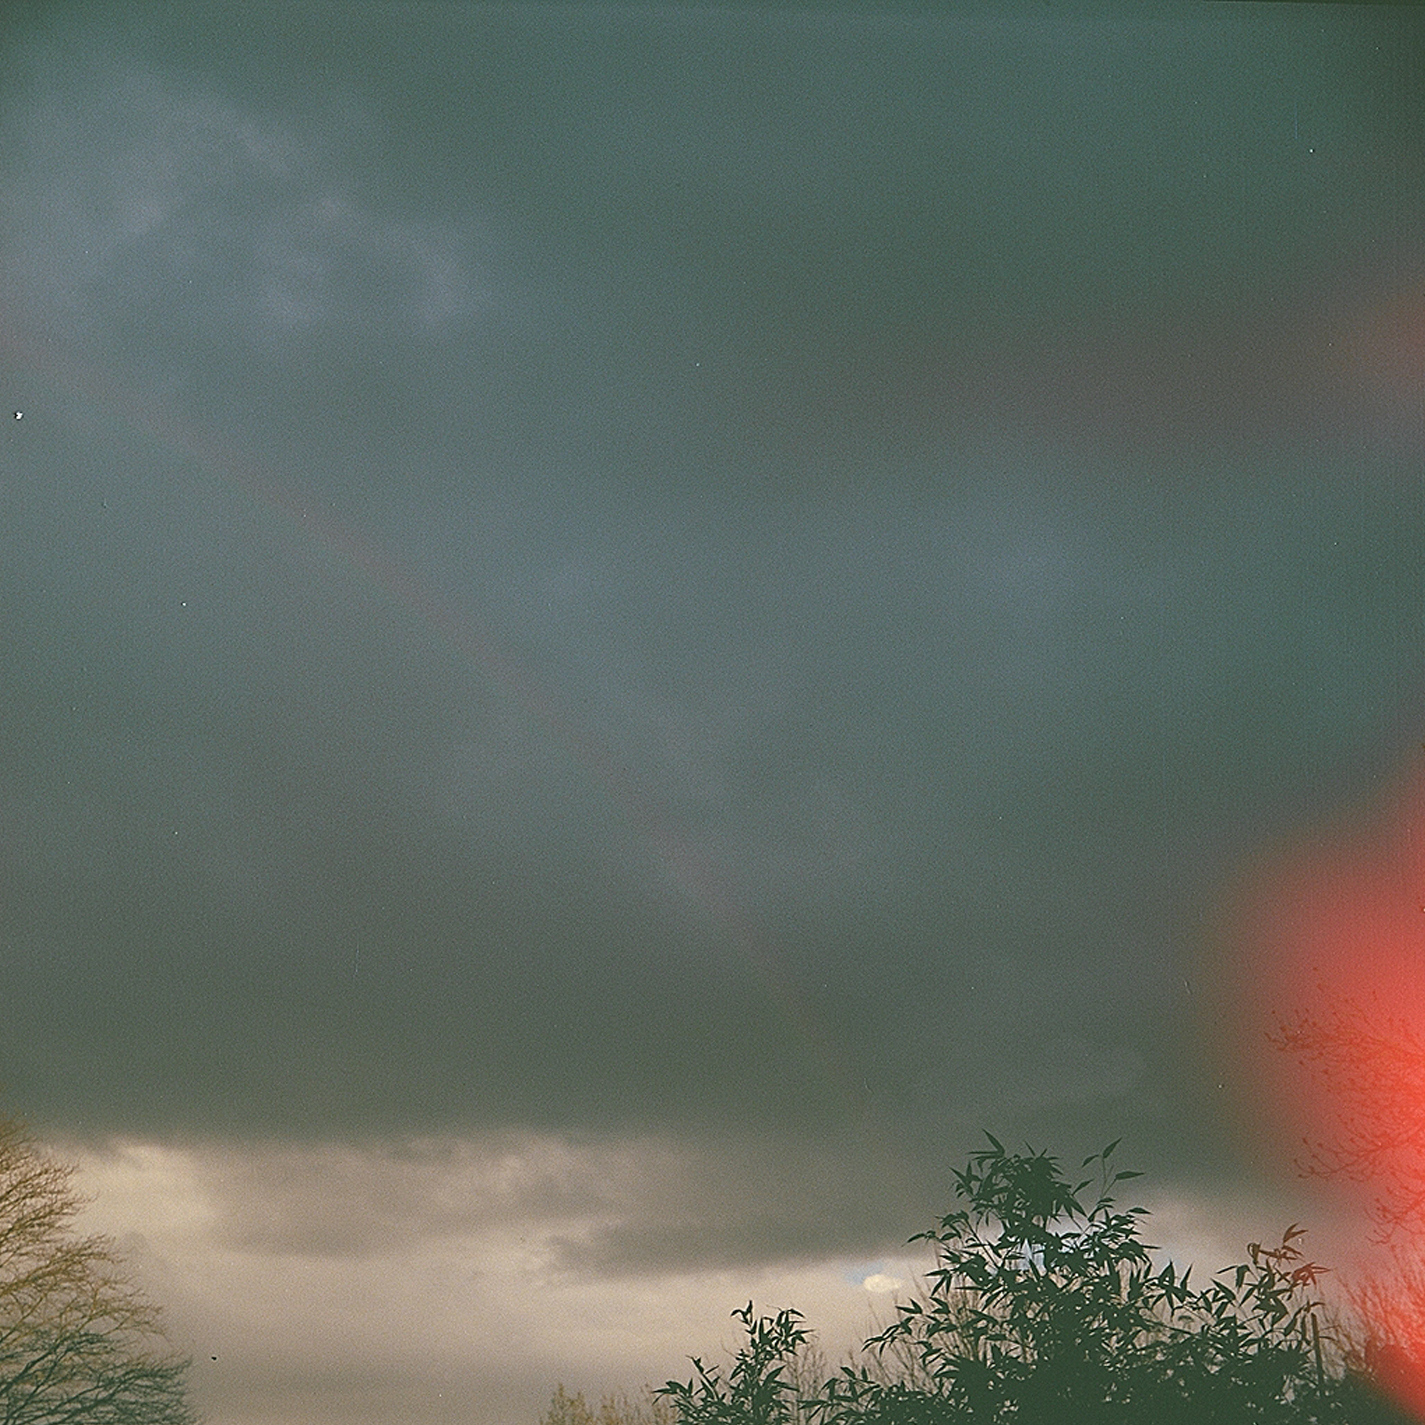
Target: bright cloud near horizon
<point>626,625</point>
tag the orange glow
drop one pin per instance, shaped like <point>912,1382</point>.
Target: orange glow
<point>1370,348</point>
<point>1330,941</point>
<point>1386,350</point>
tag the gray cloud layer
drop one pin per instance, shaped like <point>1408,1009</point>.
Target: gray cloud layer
<point>601,573</point>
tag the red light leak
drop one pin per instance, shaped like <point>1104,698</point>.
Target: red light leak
<point>1377,356</point>
<point>1329,941</point>
<point>1340,357</point>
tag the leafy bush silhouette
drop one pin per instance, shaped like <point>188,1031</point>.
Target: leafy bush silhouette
<point>759,1388</point>
<point>1043,1311</point>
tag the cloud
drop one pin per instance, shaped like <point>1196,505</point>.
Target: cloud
<point>340,1280</point>
<point>341,1201</point>
<point>548,786</point>
<point>150,207</point>
<point>578,1209</point>
<point>336,1280</point>
<point>329,263</point>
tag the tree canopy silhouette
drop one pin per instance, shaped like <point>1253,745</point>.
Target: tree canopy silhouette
<point>1045,1308</point>
<point>79,1345</point>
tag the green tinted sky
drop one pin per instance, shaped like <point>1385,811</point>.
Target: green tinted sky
<point>707,573</point>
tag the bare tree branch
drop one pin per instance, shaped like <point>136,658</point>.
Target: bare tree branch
<point>1372,1067</point>
<point>79,1345</point>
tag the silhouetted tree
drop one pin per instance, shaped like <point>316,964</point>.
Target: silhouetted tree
<point>1043,1311</point>
<point>1370,1068</point>
<point>1369,1071</point>
<point>79,1345</point>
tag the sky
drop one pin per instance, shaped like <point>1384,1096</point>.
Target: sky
<point>626,625</point>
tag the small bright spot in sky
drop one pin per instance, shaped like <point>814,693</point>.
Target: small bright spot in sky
<point>880,1283</point>
<point>19,415</point>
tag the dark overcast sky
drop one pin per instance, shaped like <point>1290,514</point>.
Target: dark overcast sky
<point>630,573</point>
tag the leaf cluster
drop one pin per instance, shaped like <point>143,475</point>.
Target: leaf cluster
<point>759,1388</point>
